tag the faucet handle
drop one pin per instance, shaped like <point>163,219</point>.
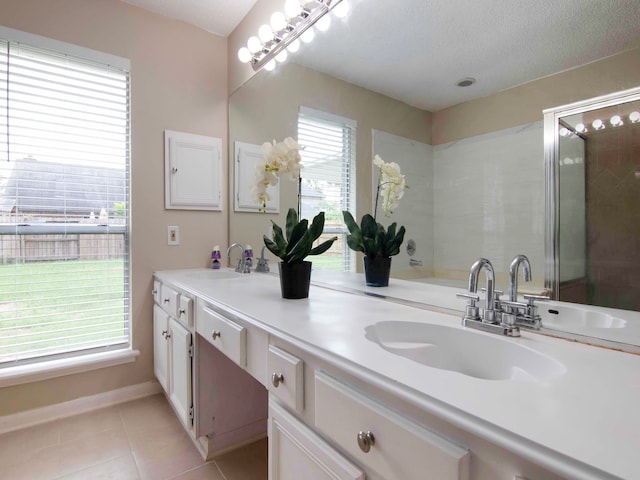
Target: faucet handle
<point>472,312</point>
<point>532,298</point>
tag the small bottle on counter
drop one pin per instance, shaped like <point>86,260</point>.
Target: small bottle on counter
<point>248,257</point>
<point>215,257</point>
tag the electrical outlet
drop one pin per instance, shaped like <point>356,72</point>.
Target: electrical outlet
<point>173,235</point>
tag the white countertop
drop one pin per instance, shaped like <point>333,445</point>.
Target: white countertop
<point>580,424</point>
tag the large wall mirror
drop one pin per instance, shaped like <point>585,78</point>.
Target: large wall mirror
<point>477,160</point>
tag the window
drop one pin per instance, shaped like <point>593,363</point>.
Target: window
<point>64,200</point>
<point>328,179</point>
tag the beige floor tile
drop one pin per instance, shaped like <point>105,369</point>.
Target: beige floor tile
<point>168,461</point>
<point>208,471</point>
<point>85,453</point>
<point>21,445</point>
<point>246,463</point>
<point>148,412</point>
<point>121,468</point>
<point>86,425</point>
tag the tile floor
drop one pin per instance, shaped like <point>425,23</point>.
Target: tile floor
<point>139,440</point>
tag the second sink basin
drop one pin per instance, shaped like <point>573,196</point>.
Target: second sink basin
<point>564,316</point>
<point>470,353</point>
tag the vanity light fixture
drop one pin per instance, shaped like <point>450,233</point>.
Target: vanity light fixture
<point>598,124</point>
<point>297,22</point>
<point>634,117</point>
<point>580,128</point>
<point>616,121</point>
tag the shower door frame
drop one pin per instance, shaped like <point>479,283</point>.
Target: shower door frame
<point>552,127</point>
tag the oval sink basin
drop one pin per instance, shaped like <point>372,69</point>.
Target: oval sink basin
<point>562,316</point>
<point>468,352</point>
<point>213,275</point>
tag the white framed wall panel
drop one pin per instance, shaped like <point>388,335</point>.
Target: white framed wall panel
<point>193,171</point>
<point>246,158</point>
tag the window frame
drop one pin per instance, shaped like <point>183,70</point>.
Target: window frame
<point>75,360</point>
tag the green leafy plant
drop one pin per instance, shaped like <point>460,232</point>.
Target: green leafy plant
<point>371,238</point>
<point>296,243</point>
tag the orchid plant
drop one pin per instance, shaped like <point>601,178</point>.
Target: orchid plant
<point>278,159</point>
<point>370,237</point>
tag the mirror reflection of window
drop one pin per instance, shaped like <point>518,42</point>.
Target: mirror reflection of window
<point>328,179</point>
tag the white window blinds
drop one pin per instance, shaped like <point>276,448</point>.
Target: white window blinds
<point>64,204</point>
<point>328,179</point>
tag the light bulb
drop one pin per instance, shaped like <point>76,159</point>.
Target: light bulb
<point>581,128</point>
<point>634,117</point>
<point>254,44</point>
<point>292,8</point>
<point>265,33</point>
<point>616,121</point>
<point>282,56</point>
<point>294,46</point>
<point>244,55</point>
<point>564,132</point>
<point>324,23</point>
<point>597,124</point>
<point>341,10</point>
<point>271,64</point>
<point>278,22</point>
<point>308,35</point>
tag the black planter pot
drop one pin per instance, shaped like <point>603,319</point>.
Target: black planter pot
<point>376,271</point>
<point>295,279</point>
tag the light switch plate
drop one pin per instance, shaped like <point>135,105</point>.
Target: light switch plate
<point>173,235</point>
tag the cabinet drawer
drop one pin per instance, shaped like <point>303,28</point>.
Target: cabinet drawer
<point>224,334</point>
<point>285,378</point>
<point>169,300</point>
<point>400,448</point>
<point>185,312</point>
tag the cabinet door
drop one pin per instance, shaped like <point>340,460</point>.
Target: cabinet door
<point>180,389</point>
<point>161,346</point>
<point>193,171</point>
<point>296,452</point>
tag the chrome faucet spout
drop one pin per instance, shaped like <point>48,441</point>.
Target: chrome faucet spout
<point>513,275</point>
<point>240,266</point>
<point>476,268</point>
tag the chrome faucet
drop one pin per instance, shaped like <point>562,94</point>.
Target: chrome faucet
<point>513,275</point>
<point>263,263</point>
<point>488,319</point>
<point>240,268</point>
<point>489,315</point>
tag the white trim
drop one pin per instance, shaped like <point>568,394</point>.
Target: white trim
<point>312,112</point>
<point>33,372</point>
<point>37,416</point>
<point>63,47</point>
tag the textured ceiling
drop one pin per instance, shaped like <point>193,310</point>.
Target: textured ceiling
<point>415,50</point>
<point>215,16</point>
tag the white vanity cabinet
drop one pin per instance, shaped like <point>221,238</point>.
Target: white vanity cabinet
<point>173,349</point>
<point>296,451</point>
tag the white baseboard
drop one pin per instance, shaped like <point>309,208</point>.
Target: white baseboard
<point>37,416</point>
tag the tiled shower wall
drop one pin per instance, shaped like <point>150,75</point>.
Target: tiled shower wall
<point>613,213</point>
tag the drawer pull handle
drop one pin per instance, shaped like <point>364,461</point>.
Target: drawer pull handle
<point>215,334</point>
<point>154,292</point>
<point>166,334</point>
<point>167,300</point>
<point>182,311</point>
<point>365,441</point>
<point>277,379</point>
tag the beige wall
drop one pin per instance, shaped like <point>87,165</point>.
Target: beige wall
<point>266,108</point>
<point>178,82</point>
<point>524,104</point>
